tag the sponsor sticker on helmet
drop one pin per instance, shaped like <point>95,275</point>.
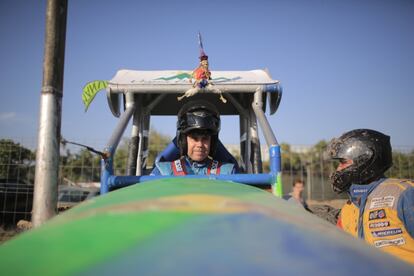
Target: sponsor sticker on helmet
<point>382,243</point>
<point>380,224</point>
<point>386,233</point>
<point>377,214</point>
<point>380,202</point>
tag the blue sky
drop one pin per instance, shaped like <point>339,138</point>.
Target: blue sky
<point>343,64</point>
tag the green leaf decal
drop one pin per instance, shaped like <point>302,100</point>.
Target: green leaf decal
<point>222,79</point>
<point>179,76</point>
<point>90,90</point>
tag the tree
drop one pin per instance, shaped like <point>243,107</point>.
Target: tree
<point>16,162</point>
<point>291,161</point>
<point>121,157</point>
<point>157,143</point>
<point>80,167</point>
<point>403,165</point>
<point>85,166</point>
<point>316,159</point>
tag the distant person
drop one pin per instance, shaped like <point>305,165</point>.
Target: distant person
<point>380,209</point>
<point>198,127</point>
<point>296,196</point>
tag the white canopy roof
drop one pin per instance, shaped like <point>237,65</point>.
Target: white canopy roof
<point>169,83</point>
<point>168,77</point>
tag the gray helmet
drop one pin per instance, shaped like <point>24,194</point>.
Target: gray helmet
<point>198,116</point>
<point>370,152</point>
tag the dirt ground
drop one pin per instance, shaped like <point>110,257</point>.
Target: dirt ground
<point>327,210</point>
<point>6,234</point>
<point>336,203</point>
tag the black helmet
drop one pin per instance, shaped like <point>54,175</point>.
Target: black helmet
<point>370,152</point>
<point>198,116</point>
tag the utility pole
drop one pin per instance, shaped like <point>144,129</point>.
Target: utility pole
<point>47,155</point>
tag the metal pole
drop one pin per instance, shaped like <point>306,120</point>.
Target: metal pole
<point>255,151</point>
<point>274,148</point>
<point>47,157</point>
<point>109,152</point>
<point>308,182</point>
<point>133,143</point>
<point>243,142</point>
<point>145,141</point>
<point>322,177</point>
<point>264,124</point>
<point>138,170</point>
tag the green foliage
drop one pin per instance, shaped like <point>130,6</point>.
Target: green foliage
<point>321,146</point>
<point>290,160</point>
<point>16,162</point>
<point>315,162</point>
<point>403,164</point>
<point>80,167</point>
<point>157,144</point>
<point>121,157</point>
<point>85,166</point>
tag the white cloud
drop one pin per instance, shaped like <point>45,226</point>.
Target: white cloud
<point>4,116</point>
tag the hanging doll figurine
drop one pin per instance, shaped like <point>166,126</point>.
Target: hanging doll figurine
<point>202,76</point>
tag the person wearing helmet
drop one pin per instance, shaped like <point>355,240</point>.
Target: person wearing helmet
<point>198,126</point>
<point>380,209</point>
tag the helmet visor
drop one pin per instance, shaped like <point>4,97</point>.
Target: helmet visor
<point>351,149</point>
<point>200,121</point>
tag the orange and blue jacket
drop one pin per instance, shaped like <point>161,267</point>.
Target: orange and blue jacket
<point>382,213</point>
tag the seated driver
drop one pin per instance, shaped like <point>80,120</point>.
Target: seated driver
<point>198,126</point>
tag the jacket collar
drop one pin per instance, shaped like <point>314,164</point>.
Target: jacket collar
<point>358,191</point>
<point>195,164</point>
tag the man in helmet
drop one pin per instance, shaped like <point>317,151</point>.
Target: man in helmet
<point>380,210</point>
<point>198,127</point>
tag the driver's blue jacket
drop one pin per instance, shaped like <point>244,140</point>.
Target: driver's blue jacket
<point>185,166</point>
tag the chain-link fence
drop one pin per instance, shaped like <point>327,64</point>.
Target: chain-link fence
<point>16,179</point>
<point>81,168</point>
<point>309,164</point>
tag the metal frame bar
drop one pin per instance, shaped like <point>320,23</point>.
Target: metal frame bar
<point>110,181</point>
<point>179,88</point>
<point>244,149</point>
<point>134,142</point>
<point>242,111</point>
<point>254,142</point>
<point>263,179</point>
<point>138,144</point>
<point>140,128</point>
<point>109,151</point>
<point>143,144</point>
<point>274,148</point>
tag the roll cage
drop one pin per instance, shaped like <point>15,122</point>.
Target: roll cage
<point>146,93</point>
